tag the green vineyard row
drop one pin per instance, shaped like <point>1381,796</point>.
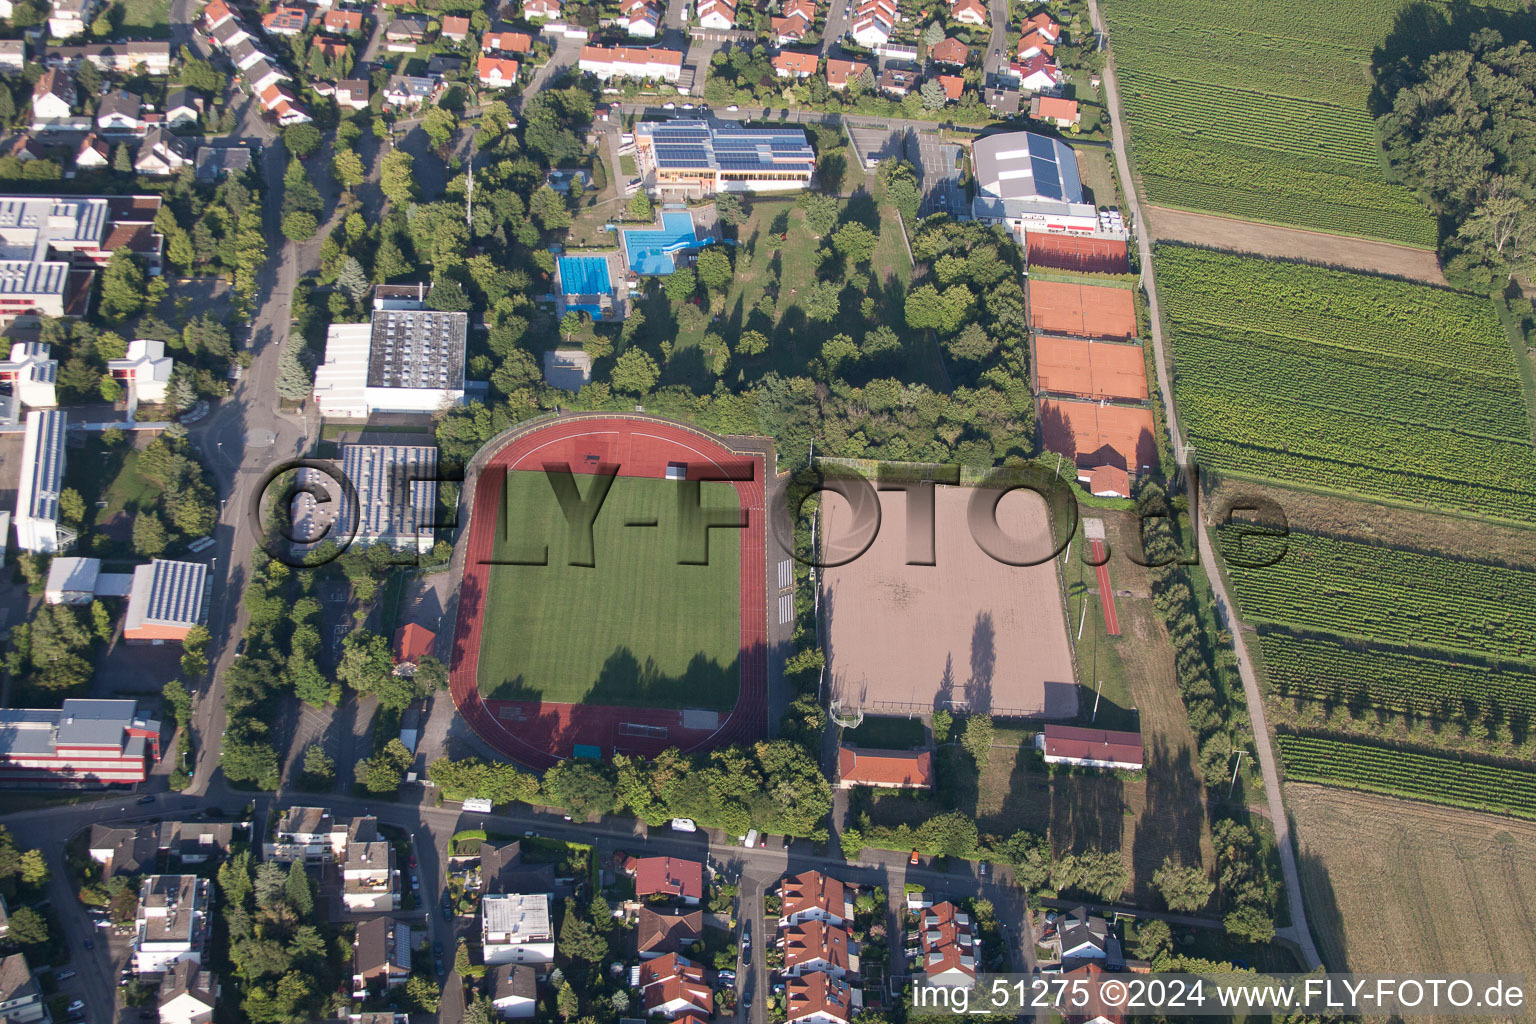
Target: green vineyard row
<point>1415,774</point>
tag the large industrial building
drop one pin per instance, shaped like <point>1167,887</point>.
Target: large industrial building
<point>84,742</point>
<point>701,158</point>
<point>42,477</point>
<point>166,600</point>
<point>396,495</point>
<point>1029,182</point>
<point>50,247</point>
<point>406,360</point>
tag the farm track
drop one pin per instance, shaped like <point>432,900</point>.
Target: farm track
<point>1272,240</point>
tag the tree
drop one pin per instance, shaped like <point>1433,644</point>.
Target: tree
<point>299,225</point>
<point>822,304</point>
<point>348,168</point>
<point>752,343</point>
<point>71,505</point>
<point>634,372</point>
<point>1182,888</point>
<point>579,940</point>
<point>122,161</point>
<point>389,261</point>
<point>352,279</point>
<point>855,242</point>
<point>149,536</point>
<point>942,721</point>
<point>431,675</point>
<point>1152,938</point>
<point>549,209</point>
<point>318,764</point>
<point>27,927</point>
<point>977,739</point>
<point>972,344</point>
<point>1249,923</point>
<point>567,1002</point>
<point>301,139</point>
<point>729,209</point>
<point>821,212</point>
<point>679,284</point>
<point>294,381</point>
<point>1103,873</point>
<point>713,267</point>
<point>581,787</point>
<point>101,621</point>
<point>34,869</point>
<point>424,994</point>
<point>385,771</point>
<point>297,891</point>
<point>639,207</point>
<point>932,93</point>
<point>395,178</point>
<point>122,286</point>
<point>933,35</point>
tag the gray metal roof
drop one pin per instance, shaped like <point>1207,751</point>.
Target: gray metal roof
<point>396,491</point>
<point>417,348</point>
<point>95,723</point>
<point>1023,165</point>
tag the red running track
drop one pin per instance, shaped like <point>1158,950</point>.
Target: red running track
<point>1106,596</point>
<point>539,733</point>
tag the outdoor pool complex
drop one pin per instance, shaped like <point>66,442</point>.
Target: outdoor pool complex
<point>584,275</point>
<point>651,250</point>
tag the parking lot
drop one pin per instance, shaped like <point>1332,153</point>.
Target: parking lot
<point>938,170</point>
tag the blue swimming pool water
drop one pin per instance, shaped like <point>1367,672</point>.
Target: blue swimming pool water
<point>584,275</point>
<point>650,250</point>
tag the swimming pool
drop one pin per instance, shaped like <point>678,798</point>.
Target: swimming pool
<point>650,250</point>
<point>584,275</point>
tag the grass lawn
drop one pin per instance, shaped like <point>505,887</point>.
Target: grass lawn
<point>110,474</point>
<point>634,629</point>
<point>793,338</point>
<point>889,733</point>
<point>627,166</point>
<point>141,18</point>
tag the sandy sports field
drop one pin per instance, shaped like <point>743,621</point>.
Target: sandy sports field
<point>1090,369</point>
<point>968,632</point>
<point>1082,310</point>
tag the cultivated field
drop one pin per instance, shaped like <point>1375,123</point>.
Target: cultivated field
<point>968,631</point>
<point>1260,109</point>
<point>1348,382</point>
<point>637,628</point>
<point>1393,886</point>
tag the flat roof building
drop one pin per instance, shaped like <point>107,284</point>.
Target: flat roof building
<point>515,928</point>
<point>50,247</point>
<point>396,495</point>
<point>42,477</point>
<point>1029,182</point>
<point>406,360</point>
<point>145,371</point>
<point>84,742</point>
<point>703,157</point>
<point>32,373</point>
<point>168,598</point>
<point>172,922</point>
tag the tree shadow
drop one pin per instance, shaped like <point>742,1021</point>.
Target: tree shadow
<point>1087,811</point>
<point>1172,818</point>
<point>978,689</point>
<point>1323,914</point>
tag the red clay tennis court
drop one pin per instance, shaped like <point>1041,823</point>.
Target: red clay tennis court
<point>1082,310</point>
<point>1071,252</point>
<point>1090,369</point>
<point>1093,435</point>
<point>538,733</point>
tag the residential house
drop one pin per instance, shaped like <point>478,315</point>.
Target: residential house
<point>216,13</point>
<point>658,934</point>
<point>818,998</point>
<point>1062,113</point>
<point>537,10</point>
<point>641,17</point>
<point>405,33</point>
<point>244,54</point>
<point>672,986</point>
<point>789,64</point>
<point>455,28</point>
<point>381,955</point>
<point>285,21</point>
<point>53,97</point>
<point>1091,1008</point>
<point>813,896</point>
<point>506,41</point>
<point>874,22</point>
<point>1083,936</point>
<point>898,81</point>
<point>119,111</point>
<point>502,870</point>
<point>309,834</point>
<point>515,928</point>
<point>968,12</point>
<point>1044,24</point>
<point>514,991</point>
<point>70,17</point>
<point>172,922</point>
<point>667,876</point>
<point>342,22</point>
<point>884,769</point>
<point>134,851</point>
<point>93,154</point>
<point>13,54</point>
<point>188,994</point>
<point>841,73</point>
<point>125,58</point>
<point>1036,74</point>
<point>161,154</point>
<point>1034,41</point>
<point>954,87</point>
<point>230,34</point>
<point>331,49</point>
<point>280,103</point>
<point>795,25</point>
<point>352,93</point>
<point>950,51</point>
<point>21,998</point>
<point>443,66</point>
<point>607,62</point>
<point>26,149</point>
<point>263,75</point>
<point>818,946</point>
<point>717,14</point>
<point>948,944</point>
<point>409,90</point>
<point>182,106</point>
<point>369,878</point>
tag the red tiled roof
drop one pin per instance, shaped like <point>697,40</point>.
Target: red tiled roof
<point>1092,1008</point>
<point>507,42</point>
<point>796,63</point>
<point>413,642</point>
<point>947,941</point>
<point>818,993</point>
<point>668,875</point>
<point>1036,40</point>
<point>500,68</point>
<point>1093,744</point>
<point>1056,108</point>
<point>1044,24</point>
<point>953,85</point>
<point>841,72</point>
<point>950,51</point>
<point>665,933</point>
<point>216,11</point>
<point>455,26</point>
<point>885,767</point>
<point>673,977</point>
<point>812,890</point>
<point>342,21</point>
<point>1108,480</point>
<point>632,55</point>
<point>814,940</point>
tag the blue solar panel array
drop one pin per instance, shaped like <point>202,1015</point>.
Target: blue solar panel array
<point>1051,180</point>
<point>689,144</point>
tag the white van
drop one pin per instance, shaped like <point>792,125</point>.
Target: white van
<point>684,825</point>
<point>751,839</point>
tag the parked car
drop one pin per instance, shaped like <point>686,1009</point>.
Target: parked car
<point>437,965</point>
<point>728,977</point>
<point>78,1004</point>
<point>437,948</point>
<point>66,974</point>
<point>147,798</point>
<point>415,883</point>
<point>983,869</point>
<point>684,825</point>
<point>913,859</point>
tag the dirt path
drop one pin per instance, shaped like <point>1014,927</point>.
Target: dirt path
<point>1295,243</point>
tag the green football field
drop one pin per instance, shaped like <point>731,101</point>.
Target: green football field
<point>635,628</point>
